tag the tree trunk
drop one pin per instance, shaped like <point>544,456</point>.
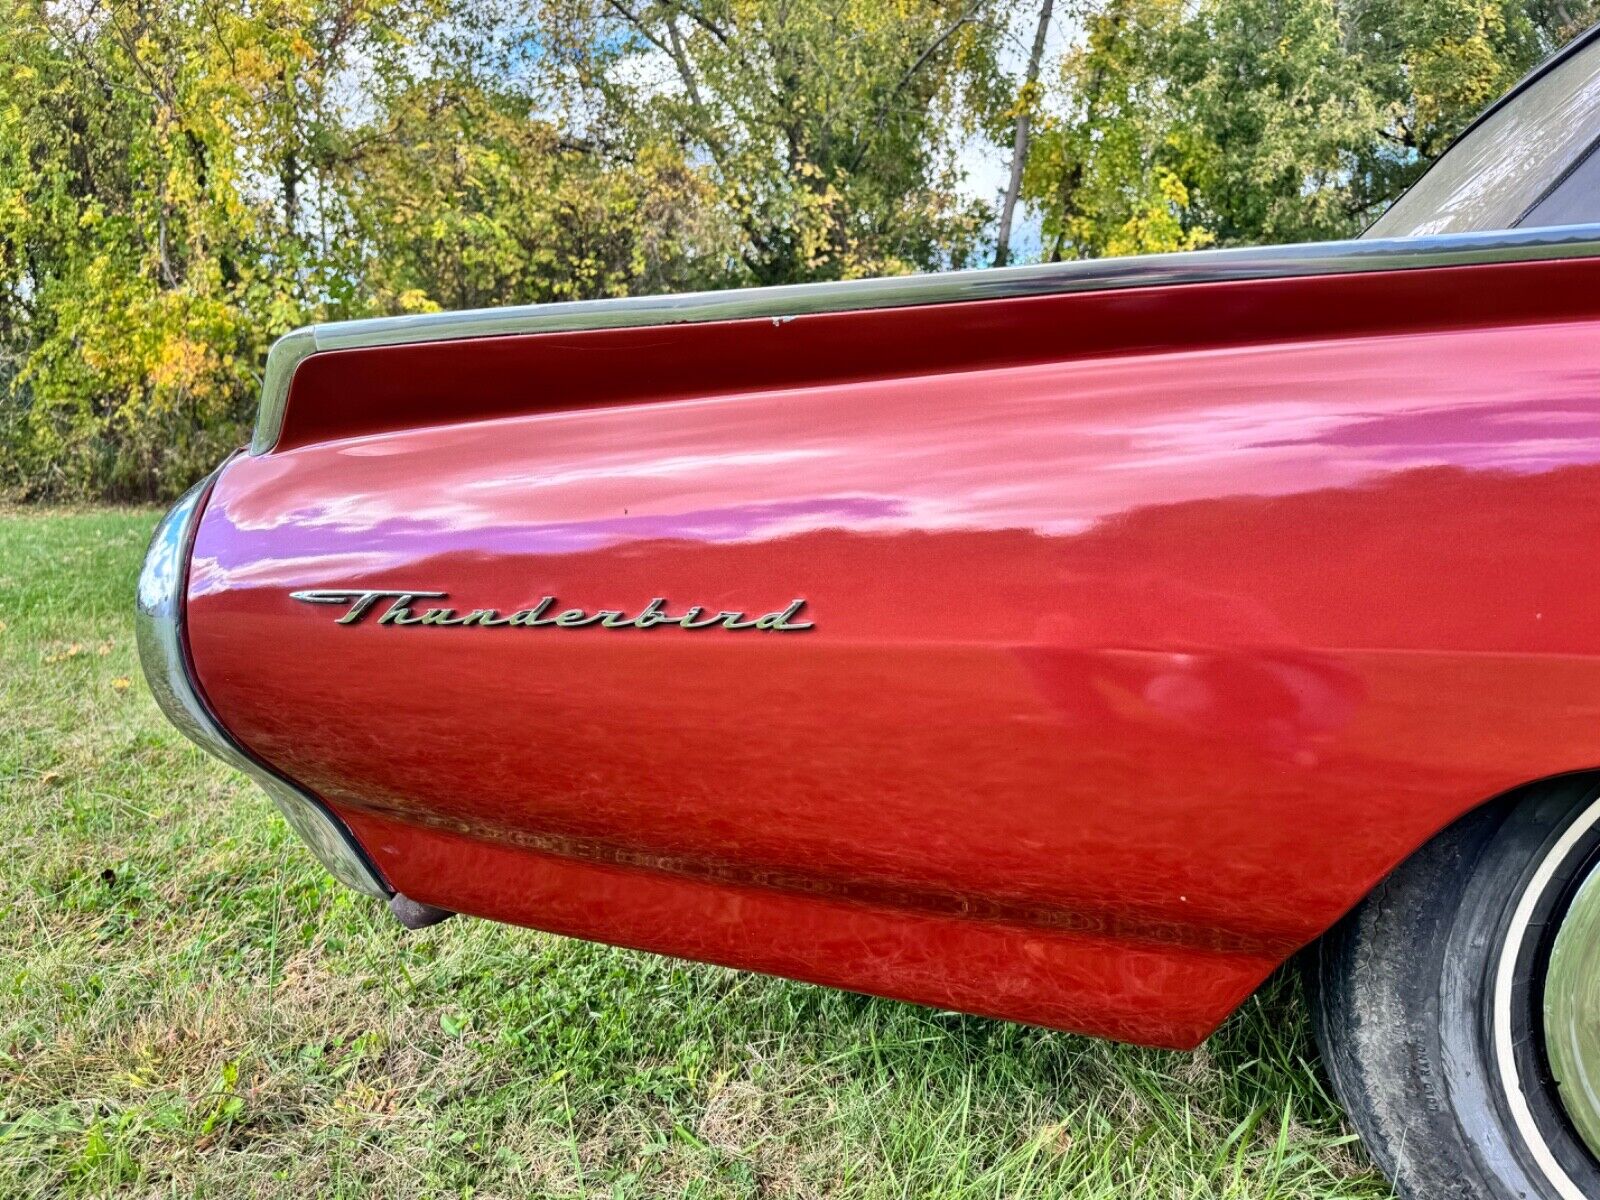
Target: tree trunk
<point>1019,141</point>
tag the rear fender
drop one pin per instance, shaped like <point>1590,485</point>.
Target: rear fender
<point>1117,640</point>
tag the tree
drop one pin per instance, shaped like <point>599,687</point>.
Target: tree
<point>1027,100</point>
<point>1247,121</point>
<point>825,125</point>
<point>154,230</point>
<point>1108,169</point>
<point>463,192</point>
<point>182,182</point>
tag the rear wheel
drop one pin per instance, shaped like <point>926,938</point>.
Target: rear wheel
<point>1458,1008</point>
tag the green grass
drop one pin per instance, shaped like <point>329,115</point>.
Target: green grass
<point>190,1006</point>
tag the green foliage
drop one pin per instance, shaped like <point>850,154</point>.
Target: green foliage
<point>1176,124</point>
<point>826,126</point>
<point>152,238</point>
<point>182,181</point>
<point>475,201</point>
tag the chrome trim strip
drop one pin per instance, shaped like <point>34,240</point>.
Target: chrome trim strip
<point>778,303</point>
<point>158,627</point>
<point>286,355</point>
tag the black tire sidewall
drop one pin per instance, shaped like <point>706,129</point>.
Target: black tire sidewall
<point>1480,1093</point>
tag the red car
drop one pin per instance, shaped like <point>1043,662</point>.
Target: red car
<point>1070,643</point>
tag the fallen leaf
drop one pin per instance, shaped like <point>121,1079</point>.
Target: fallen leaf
<point>71,651</point>
<point>121,683</point>
<point>1057,1139</point>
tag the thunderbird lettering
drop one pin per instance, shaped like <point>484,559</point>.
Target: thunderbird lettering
<point>358,603</point>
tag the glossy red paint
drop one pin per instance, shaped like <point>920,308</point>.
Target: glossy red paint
<point>1140,654</point>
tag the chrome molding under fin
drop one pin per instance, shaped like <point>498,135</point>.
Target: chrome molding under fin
<point>159,628</point>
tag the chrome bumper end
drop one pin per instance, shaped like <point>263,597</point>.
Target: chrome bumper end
<point>160,633</point>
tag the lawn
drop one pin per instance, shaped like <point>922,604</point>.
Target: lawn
<point>190,1006</point>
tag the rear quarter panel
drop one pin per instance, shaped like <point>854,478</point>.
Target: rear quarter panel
<point>1151,630</point>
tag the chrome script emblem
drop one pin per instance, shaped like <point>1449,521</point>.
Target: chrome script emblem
<point>358,603</point>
